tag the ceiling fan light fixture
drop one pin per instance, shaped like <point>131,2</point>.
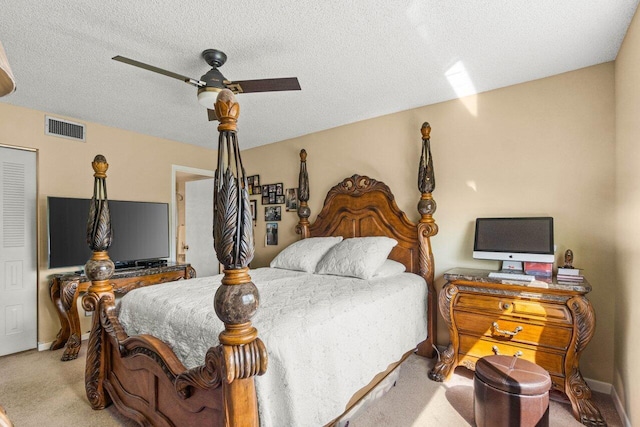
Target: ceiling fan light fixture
<point>212,82</point>
<point>7,81</point>
<point>207,96</point>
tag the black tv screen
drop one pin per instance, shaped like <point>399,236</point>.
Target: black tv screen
<point>140,231</point>
<point>514,239</point>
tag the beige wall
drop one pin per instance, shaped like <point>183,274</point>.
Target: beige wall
<point>627,312</point>
<point>139,169</point>
<point>541,148</point>
<point>545,147</point>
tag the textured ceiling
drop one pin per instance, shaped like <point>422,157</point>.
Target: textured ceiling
<point>354,59</point>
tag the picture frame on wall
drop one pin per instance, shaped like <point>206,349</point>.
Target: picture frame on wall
<point>291,202</point>
<point>272,233</point>
<point>273,213</point>
<point>272,194</point>
<point>254,209</point>
<point>253,183</point>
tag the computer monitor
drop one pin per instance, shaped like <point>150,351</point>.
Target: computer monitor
<point>520,240</point>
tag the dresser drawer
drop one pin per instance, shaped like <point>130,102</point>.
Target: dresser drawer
<point>476,348</point>
<point>524,332</point>
<point>524,308</point>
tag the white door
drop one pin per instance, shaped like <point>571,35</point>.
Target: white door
<point>18,254</point>
<point>198,222</point>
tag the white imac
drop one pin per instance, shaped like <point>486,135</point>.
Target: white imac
<point>514,241</point>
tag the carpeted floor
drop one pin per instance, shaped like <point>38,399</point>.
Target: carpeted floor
<point>37,389</point>
<point>418,401</point>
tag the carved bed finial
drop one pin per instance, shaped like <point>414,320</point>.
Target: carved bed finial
<point>426,130</point>
<point>303,196</point>
<point>227,110</point>
<point>427,226</point>
<point>426,178</point>
<point>99,234</point>
<point>99,270</point>
<point>242,354</point>
<point>232,225</point>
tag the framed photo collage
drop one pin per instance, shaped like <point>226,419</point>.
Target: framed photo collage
<point>271,196</point>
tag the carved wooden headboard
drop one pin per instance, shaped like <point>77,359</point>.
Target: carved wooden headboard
<point>361,206</point>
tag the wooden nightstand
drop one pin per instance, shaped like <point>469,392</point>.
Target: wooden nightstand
<point>549,324</point>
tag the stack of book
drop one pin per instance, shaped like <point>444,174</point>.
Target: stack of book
<point>570,275</point>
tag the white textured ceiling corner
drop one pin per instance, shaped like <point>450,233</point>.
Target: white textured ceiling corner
<point>355,60</point>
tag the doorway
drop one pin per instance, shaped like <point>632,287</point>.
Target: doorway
<point>193,219</point>
<point>18,255</point>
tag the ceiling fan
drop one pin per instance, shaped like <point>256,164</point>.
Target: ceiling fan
<point>213,81</point>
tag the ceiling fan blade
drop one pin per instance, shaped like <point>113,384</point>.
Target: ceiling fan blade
<point>264,85</point>
<point>212,115</point>
<point>139,64</point>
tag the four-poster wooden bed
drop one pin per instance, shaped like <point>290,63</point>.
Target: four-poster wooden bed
<point>142,375</point>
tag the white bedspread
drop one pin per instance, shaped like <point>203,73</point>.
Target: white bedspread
<point>326,336</point>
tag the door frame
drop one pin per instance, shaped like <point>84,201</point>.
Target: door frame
<point>173,219</point>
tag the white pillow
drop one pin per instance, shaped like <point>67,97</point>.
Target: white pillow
<point>356,257</point>
<point>304,254</point>
<point>389,268</point>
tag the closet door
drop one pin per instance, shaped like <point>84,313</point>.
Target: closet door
<point>18,251</point>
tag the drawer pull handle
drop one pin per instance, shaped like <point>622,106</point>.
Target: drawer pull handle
<point>496,328</point>
<point>497,352</point>
<point>506,306</point>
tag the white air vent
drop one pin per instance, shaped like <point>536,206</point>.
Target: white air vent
<point>64,128</point>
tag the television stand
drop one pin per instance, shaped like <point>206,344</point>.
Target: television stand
<point>65,289</point>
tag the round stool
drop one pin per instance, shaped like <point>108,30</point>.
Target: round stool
<point>509,391</point>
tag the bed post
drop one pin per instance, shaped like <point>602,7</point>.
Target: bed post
<point>242,355</point>
<point>427,228</point>
<point>98,269</point>
<point>303,195</point>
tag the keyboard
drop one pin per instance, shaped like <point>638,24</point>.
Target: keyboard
<point>511,276</point>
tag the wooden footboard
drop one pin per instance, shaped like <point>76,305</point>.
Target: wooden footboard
<point>146,382</point>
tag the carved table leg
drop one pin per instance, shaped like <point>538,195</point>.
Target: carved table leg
<point>69,293</point>
<point>63,334</point>
<point>445,366</point>
<point>578,392</point>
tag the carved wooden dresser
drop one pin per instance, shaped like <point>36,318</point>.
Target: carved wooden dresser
<point>64,290</point>
<point>547,323</point>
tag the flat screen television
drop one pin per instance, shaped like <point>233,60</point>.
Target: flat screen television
<point>514,239</point>
<point>140,231</point>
